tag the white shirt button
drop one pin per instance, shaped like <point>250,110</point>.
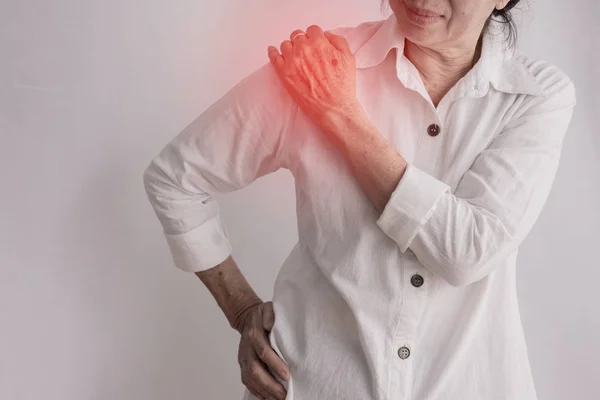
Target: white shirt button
<point>403,352</point>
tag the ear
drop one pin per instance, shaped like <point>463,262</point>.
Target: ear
<point>501,4</point>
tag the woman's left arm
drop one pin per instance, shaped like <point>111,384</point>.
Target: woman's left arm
<point>458,235</point>
<point>455,235</point>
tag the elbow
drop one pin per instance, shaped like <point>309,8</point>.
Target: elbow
<point>463,275</point>
<point>471,255</point>
<point>151,179</point>
<point>146,178</point>
<point>467,270</point>
<point>474,259</point>
<point>464,247</point>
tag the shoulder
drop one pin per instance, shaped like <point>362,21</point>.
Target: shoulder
<point>252,87</point>
<point>356,36</point>
<point>545,78</point>
<point>359,34</point>
<point>354,31</point>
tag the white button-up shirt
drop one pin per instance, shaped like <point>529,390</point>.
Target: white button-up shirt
<point>418,302</point>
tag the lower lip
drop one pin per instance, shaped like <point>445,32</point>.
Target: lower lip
<point>420,19</point>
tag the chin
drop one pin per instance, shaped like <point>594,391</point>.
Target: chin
<point>416,33</point>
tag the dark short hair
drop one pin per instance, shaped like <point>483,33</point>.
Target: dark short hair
<point>503,16</point>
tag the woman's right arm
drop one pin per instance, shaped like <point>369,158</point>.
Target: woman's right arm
<point>238,139</point>
<point>231,290</point>
<point>252,318</point>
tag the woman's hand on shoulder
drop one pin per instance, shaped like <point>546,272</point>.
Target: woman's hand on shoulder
<point>318,70</point>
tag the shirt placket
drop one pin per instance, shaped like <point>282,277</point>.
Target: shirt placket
<point>415,286</point>
<point>417,280</point>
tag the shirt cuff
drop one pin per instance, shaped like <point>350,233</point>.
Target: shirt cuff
<point>411,204</point>
<point>202,248</point>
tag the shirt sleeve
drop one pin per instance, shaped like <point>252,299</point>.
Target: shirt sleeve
<point>460,235</point>
<point>235,141</point>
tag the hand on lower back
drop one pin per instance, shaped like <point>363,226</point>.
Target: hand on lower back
<point>255,354</point>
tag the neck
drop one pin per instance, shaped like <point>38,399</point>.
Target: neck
<point>440,69</point>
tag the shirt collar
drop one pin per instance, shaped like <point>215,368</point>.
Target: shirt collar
<point>376,48</point>
<point>497,64</point>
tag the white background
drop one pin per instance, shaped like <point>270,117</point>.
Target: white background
<point>91,306</point>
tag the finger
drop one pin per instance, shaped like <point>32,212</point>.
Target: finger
<point>254,392</point>
<point>259,395</point>
<point>259,392</point>
<point>287,50</point>
<point>315,32</point>
<point>268,315</point>
<point>298,36</point>
<point>265,352</point>
<point>264,382</point>
<point>247,378</point>
<point>275,57</point>
<point>339,42</point>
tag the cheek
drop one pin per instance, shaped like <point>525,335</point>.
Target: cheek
<point>469,13</point>
<point>463,20</point>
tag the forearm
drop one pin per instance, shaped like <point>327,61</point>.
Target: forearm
<point>376,165</point>
<point>231,290</point>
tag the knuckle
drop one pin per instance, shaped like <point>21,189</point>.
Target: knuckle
<point>262,352</point>
<point>306,51</point>
<point>254,371</point>
<point>325,47</point>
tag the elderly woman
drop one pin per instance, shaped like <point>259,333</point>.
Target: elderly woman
<point>423,148</point>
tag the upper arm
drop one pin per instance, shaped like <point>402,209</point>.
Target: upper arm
<point>239,138</point>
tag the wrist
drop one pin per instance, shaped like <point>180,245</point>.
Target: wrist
<point>351,133</point>
<point>340,119</point>
<point>239,320</point>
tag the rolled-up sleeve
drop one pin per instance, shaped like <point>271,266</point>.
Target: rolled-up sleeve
<point>238,139</point>
<point>458,235</point>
